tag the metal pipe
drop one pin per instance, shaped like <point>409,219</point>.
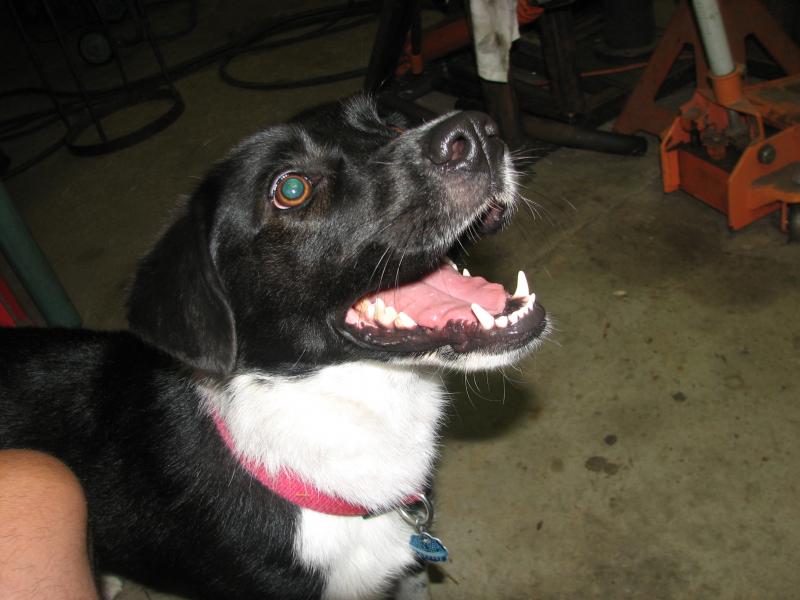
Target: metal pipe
<point>32,268</point>
<point>562,134</point>
<point>715,40</point>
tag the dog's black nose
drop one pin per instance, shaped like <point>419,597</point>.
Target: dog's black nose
<point>460,141</point>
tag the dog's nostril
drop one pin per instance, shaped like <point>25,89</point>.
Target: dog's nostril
<point>457,150</point>
<point>457,142</point>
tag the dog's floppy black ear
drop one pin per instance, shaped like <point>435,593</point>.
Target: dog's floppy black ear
<point>178,302</point>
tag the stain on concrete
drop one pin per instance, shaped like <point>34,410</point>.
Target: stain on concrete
<point>599,464</point>
<point>734,382</point>
<point>679,397</point>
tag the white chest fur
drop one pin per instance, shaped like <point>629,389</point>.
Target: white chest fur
<point>359,556</point>
<point>364,431</point>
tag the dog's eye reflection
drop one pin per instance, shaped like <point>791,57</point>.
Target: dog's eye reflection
<point>290,190</point>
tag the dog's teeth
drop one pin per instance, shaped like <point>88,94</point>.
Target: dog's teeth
<point>531,301</point>
<point>403,321</point>
<point>486,320</point>
<point>389,315</point>
<point>379,308</point>
<point>519,313</point>
<point>371,311</point>
<point>466,273</point>
<point>363,306</point>
<point>501,321</point>
<point>451,263</point>
<point>522,286</point>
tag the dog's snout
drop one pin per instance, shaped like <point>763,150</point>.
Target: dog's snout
<point>461,140</point>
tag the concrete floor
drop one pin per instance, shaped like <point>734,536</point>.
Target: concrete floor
<point>648,451</point>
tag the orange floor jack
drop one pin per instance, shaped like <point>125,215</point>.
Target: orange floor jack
<point>734,146</point>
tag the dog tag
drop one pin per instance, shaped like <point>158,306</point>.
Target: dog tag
<point>428,547</point>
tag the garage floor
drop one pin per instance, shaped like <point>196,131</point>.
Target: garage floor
<point>649,450</point>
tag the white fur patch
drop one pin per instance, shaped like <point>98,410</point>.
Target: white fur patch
<point>110,587</point>
<point>360,556</point>
<point>364,431</point>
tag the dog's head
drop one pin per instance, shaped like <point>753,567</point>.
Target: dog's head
<point>327,239</point>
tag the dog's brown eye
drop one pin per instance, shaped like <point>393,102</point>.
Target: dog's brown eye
<point>290,190</point>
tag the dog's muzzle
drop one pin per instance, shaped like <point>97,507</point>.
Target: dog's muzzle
<point>447,307</point>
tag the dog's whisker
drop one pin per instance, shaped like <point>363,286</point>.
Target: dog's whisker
<point>299,358</point>
<point>378,265</point>
<point>399,265</point>
<point>385,266</point>
<point>468,389</point>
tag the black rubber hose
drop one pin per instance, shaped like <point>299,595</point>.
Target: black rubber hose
<point>297,22</point>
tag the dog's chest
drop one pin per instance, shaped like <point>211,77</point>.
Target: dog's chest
<point>357,556</point>
<point>365,432</point>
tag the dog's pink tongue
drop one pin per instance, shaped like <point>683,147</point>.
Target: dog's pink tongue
<point>444,295</point>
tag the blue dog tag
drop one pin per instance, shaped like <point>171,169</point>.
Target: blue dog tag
<point>428,547</point>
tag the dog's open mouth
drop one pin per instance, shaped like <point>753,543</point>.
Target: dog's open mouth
<point>447,307</point>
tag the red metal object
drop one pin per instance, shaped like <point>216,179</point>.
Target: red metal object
<point>743,18</point>
<point>734,146</point>
<point>449,36</point>
<point>11,313</point>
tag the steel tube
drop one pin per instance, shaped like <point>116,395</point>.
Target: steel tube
<point>715,39</point>
<point>32,268</point>
<point>562,134</point>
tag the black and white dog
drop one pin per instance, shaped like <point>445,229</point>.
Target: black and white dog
<point>281,380</point>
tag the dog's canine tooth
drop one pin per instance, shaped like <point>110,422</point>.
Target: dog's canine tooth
<point>451,263</point>
<point>513,317</point>
<point>379,308</point>
<point>371,311</point>
<point>501,321</point>
<point>486,320</point>
<point>522,286</point>
<point>403,321</point>
<point>531,301</point>
<point>466,273</point>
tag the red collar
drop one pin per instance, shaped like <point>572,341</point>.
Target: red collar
<point>290,487</point>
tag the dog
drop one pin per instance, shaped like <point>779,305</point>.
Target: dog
<point>269,423</point>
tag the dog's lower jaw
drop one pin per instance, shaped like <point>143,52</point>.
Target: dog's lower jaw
<point>478,360</point>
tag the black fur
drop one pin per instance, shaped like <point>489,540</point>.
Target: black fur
<point>168,505</point>
<point>235,285</point>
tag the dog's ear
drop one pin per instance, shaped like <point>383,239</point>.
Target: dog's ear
<point>178,302</point>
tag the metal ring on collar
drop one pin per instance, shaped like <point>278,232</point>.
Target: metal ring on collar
<point>419,515</point>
